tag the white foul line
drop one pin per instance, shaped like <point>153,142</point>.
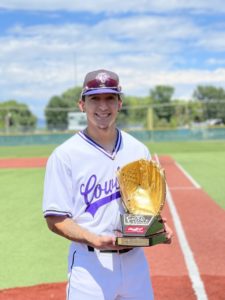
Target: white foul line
<point>196,185</point>
<point>192,267</point>
<point>193,272</point>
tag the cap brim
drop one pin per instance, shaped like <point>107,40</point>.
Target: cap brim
<point>101,91</point>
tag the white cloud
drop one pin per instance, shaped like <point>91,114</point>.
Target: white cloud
<point>213,41</point>
<point>112,6</point>
<point>129,35</point>
<point>187,79</point>
<point>190,77</point>
<point>215,61</point>
<point>40,61</point>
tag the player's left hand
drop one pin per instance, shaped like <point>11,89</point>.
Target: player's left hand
<point>169,231</point>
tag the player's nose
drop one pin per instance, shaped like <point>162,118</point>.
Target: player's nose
<point>103,104</point>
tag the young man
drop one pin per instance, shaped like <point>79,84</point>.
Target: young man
<point>82,199</point>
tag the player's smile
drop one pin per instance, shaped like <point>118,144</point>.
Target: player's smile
<point>103,119</point>
<point>100,115</point>
<point>103,116</point>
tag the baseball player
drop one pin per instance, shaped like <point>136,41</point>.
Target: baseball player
<point>82,200</point>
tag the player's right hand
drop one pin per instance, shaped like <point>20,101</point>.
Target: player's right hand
<point>105,242</point>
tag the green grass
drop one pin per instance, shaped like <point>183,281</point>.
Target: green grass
<point>208,170</point>
<point>29,252</point>
<point>26,151</point>
<point>172,148</point>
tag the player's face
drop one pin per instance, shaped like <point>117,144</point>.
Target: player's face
<point>101,110</point>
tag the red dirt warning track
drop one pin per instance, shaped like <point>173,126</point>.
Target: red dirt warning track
<point>204,224</point>
<point>33,162</point>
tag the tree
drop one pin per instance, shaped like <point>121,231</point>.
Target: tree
<point>72,96</point>
<point>133,112</point>
<point>15,115</point>
<point>161,95</point>
<point>58,107</point>
<point>208,93</point>
<point>213,99</point>
<point>56,113</point>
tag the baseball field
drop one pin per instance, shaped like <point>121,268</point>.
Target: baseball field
<point>33,260</point>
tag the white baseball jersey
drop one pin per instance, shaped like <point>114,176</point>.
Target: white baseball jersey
<point>81,183</point>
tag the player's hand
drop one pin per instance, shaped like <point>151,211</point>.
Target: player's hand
<point>105,242</point>
<point>169,231</point>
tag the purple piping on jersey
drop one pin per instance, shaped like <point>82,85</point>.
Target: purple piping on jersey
<point>57,213</point>
<point>99,147</point>
<point>93,207</point>
<point>118,142</point>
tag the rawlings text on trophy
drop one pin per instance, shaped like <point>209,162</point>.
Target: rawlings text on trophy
<point>143,191</point>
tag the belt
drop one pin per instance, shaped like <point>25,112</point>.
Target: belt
<point>91,249</point>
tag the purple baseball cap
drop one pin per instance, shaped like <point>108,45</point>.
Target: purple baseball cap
<point>101,82</point>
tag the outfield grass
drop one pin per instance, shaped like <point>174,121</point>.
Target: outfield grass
<point>208,170</point>
<point>29,253</point>
<point>172,148</point>
<point>26,151</point>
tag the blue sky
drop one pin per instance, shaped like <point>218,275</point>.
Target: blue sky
<point>48,46</point>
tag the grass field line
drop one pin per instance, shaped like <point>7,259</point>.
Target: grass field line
<point>193,181</point>
<point>192,267</point>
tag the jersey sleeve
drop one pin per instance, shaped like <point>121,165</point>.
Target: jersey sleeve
<point>57,196</point>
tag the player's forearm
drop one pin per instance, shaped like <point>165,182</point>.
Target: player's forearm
<point>67,228</point>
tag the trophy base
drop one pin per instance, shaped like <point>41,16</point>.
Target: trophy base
<point>141,241</point>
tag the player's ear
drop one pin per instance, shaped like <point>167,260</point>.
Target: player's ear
<point>120,104</point>
<point>81,105</point>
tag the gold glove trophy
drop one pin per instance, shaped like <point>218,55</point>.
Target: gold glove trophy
<point>143,191</point>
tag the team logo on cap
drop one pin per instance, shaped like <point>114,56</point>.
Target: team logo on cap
<point>102,77</point>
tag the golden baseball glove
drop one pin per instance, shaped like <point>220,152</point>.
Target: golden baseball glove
<point>143,187</point>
